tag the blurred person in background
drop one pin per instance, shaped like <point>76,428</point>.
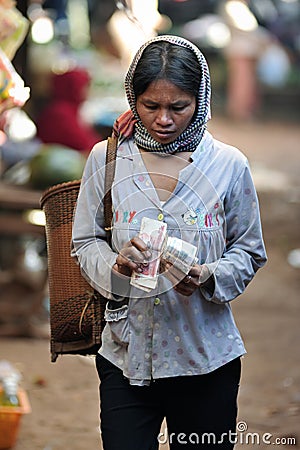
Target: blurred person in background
<point>61,122</point>
<point>242,56</point>
<point>242,53</point>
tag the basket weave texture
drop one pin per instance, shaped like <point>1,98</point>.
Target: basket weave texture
<point>76,309</point>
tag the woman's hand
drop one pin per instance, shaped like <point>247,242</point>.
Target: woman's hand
<point>186,284</point>
<point>132,257</point>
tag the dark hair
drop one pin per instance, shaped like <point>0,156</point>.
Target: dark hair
<point>163,60</point>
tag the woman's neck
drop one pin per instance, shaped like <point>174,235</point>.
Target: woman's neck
<point>164,170</point>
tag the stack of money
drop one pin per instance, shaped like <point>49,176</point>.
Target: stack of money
<point>180,254</point>
<point>154,234</point>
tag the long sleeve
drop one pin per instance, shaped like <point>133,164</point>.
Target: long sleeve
<point>244,250</point>
<point>90,247</point>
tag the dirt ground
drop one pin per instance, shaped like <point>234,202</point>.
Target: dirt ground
<point>64,395</point>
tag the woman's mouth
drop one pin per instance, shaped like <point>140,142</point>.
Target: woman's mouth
<point>163,135</point>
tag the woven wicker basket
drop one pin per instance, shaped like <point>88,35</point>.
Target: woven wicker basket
<point>76,310</point>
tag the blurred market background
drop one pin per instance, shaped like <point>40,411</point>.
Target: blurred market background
<point>54,52</point>
<point>253,49</point>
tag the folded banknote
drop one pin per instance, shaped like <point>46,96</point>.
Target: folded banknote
<point>154,234</point>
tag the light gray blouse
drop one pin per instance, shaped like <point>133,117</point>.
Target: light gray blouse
<point>214,206</point>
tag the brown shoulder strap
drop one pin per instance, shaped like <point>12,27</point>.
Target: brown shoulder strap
<point>111,151</point>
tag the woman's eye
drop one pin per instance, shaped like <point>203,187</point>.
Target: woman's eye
<point>151,107</point>
<point>178,108</point>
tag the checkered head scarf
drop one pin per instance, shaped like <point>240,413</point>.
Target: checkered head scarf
<point>192,135</point>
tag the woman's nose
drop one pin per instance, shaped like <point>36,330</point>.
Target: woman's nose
<point>163,117</point>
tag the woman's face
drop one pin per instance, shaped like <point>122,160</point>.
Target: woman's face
<point>165,110</point>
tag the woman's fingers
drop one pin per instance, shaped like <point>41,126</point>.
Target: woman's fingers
<point>140,245</point>
<point>184,284</point>
<point>133,256</point>
<point>137,251</point>
<point>172,273</point>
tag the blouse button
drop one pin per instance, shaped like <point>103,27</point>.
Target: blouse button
<point>157,301</point>
<point>160,216</point>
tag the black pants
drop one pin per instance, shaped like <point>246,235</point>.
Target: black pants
<point>200,410</point>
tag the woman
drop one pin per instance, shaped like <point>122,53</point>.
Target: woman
<point>173,351</point>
